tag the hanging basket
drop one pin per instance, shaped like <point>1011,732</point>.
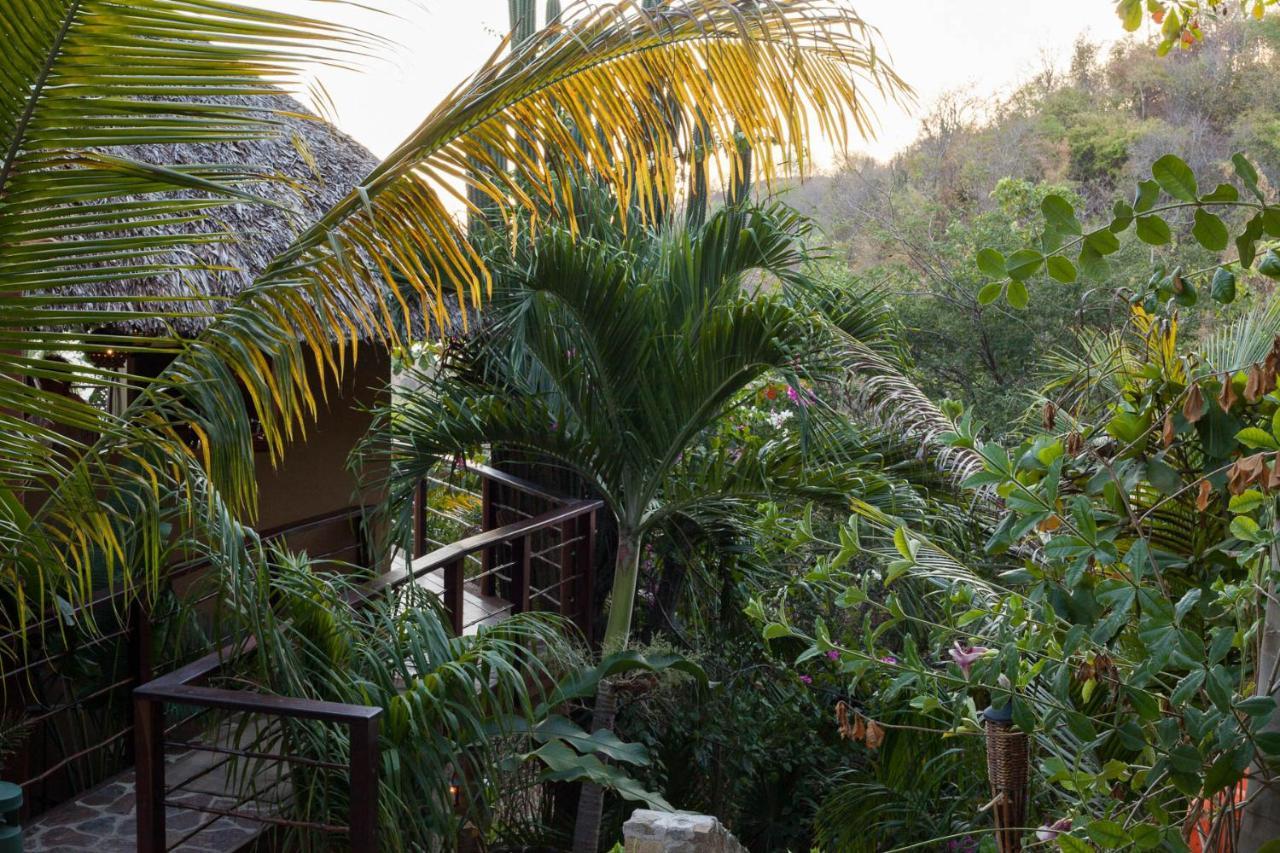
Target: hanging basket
<point>1007,762</point>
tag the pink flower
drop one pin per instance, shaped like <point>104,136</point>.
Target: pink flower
<point>792,395</point>
<point>1050,831</point>
<point>807,679</point>
<point>833,654</point>
<point>888,659</point>
<point>965,656</point>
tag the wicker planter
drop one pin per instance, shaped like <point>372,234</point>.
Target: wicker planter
<point>1007,762</point>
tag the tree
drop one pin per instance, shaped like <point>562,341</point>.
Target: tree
<point>613,353</point>
<point>1181,22</point>
<point>80,202</point>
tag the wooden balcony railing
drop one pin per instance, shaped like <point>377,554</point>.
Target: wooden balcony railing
<point>510,558</point>
<point>80,730</point>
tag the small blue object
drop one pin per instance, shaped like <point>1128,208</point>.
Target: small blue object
<point>10,831</point>
<point>1003,714</point>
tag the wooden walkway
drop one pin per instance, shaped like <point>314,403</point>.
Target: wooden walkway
<point>478,610</point>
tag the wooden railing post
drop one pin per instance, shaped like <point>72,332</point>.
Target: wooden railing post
<point>453,595</point>
<point>586,566</point>
<point>148,735</point>
<point>520,573</point>
<point>364,785</point>
<point>488,521</point>
<point>138,649</point>
<point>420,519</point>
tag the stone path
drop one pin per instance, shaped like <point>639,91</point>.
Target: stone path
<point>102,820</point>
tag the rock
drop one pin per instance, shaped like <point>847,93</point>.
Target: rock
<point>677,832</point>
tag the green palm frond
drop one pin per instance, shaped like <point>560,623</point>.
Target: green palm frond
<point>456,707</point>
<point>614,357</point>
<point>1242,343</point>
<point>89,81</point>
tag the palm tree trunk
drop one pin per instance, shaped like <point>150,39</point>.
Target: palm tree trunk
<point>626,572</point>
<point>622,602</point>
<point>1261,821</point>
<point>586,829</point>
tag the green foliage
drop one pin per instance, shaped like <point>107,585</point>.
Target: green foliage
<point>617,355</point>
<point>756,747</point>
<point>483,712</point>
<point>1121,611</point>
<point>968,335</point>
<point>914,226</point>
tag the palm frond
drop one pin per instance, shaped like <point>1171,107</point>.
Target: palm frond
<point>456,707</point>
<point>1244,342</point>
<point>90,80</point>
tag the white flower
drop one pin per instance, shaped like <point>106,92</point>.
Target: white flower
<point>778,418</point>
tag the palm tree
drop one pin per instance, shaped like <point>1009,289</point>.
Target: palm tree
<point>613,351</point>
<point>86,86</point>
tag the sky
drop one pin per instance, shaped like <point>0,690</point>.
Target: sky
<point>982,46</point>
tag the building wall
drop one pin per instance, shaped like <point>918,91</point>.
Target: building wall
<point>313,478</point>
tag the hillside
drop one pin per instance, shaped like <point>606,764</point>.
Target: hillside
<point>976,175</point>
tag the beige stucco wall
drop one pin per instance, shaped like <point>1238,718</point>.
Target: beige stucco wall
<point>313,478</point>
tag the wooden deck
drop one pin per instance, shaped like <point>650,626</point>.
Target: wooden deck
<point>478,609</point>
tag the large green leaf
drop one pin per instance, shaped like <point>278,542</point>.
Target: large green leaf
<point>565,765</point>
<point>1175,177</point>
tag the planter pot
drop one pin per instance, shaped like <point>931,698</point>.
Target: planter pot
<point>1008,751</point>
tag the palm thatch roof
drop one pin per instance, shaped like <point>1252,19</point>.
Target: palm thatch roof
<point>306,167</point>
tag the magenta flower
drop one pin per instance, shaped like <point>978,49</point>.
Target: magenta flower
<point>792,395</point>
<point>1050,831</point>
<point>807,679</point>
<point>833,655</point>
<point>888,659</point>
<point>965,656</point>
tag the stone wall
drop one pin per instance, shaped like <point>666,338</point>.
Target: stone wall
<point>676,832</point>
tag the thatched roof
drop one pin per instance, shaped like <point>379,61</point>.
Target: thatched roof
<point>319,164</point>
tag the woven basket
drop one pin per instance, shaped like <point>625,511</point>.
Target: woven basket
<point>1007,762</point>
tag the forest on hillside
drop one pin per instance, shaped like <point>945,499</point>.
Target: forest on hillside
<point>1087,127</point>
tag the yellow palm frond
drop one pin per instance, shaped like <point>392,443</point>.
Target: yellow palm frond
<point>615,89</point>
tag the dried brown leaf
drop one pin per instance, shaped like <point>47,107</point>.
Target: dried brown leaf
<point>1246,472</point>
<point>1075,443</point>
<point>1193,408</point>
<point>875,735</point>
<point>1227,397</point>
<point>1253,386</point>
<point>1202,499</point>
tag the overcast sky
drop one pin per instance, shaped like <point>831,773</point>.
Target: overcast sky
<point>936,45</point>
